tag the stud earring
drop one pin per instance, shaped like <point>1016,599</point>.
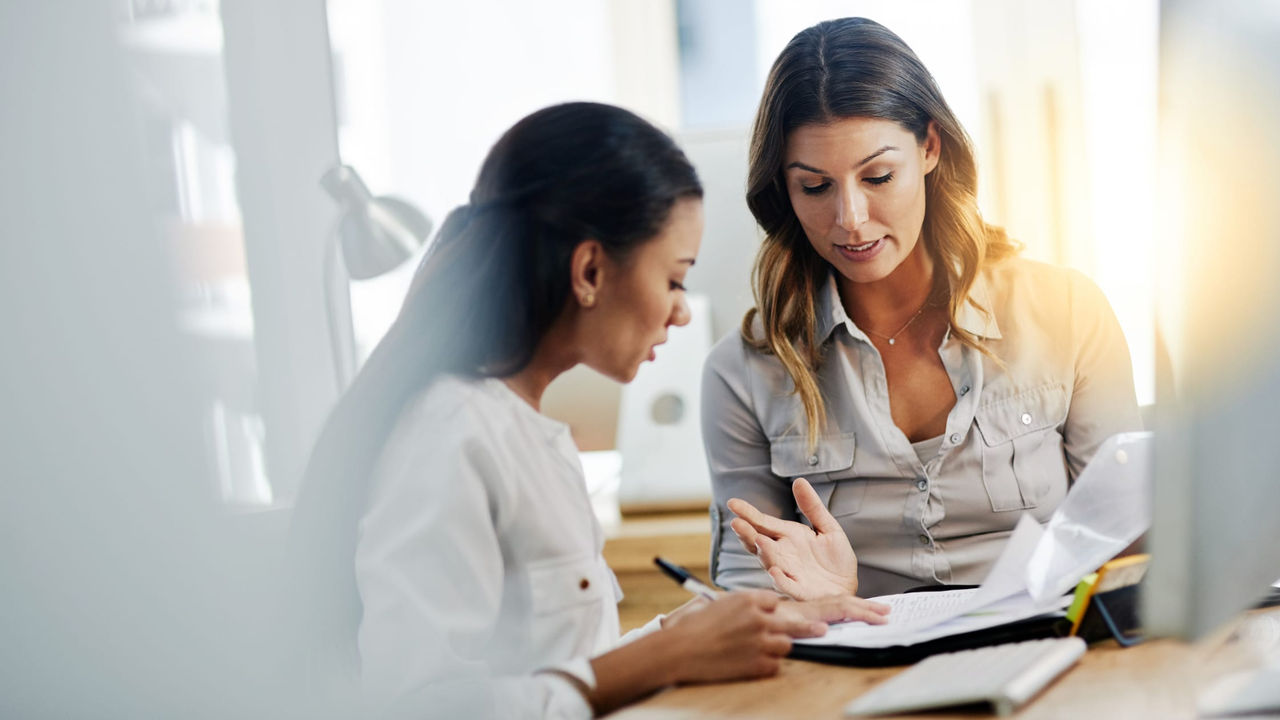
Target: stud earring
<point>589,299</point>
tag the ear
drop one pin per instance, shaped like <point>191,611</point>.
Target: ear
<point>932,147</point>
<point>586,272</point>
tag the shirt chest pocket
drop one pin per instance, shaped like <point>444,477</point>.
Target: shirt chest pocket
<point>567,597</point>
<point>1022,461</point>
<point>828,467</point>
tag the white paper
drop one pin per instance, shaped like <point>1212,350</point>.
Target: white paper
<point>1107,509</point>
<point>1001,598</point>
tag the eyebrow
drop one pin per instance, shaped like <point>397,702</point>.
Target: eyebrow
<point>861,162</point>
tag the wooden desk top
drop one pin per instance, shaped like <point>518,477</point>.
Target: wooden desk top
<point>1156,679</point>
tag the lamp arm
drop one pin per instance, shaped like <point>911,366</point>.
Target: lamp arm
<point>337,312</point>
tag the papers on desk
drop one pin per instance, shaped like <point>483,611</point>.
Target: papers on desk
<point>921,616</point>
<point>1105,511</point>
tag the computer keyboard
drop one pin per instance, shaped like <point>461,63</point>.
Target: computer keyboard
<point>1005,676</point>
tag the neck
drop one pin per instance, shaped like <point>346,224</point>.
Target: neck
<point>549,360</point>
<point>885,304</point>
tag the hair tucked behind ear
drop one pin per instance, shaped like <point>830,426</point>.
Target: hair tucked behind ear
<point>854,67</point>
<point>488,289</point>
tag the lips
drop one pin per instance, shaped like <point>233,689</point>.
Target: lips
<point>653,350</point>
<point>861,252</point>
<point>860,248</point>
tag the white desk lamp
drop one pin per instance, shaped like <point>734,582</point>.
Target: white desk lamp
<point>376,235</point>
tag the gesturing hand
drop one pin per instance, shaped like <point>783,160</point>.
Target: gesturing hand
<point>805,563</point>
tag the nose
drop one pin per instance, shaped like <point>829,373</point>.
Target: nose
<point>680,314</point>
<point>852,212</point>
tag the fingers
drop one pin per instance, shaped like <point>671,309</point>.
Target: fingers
<point>813,508</point>
<point>746,534</point>
<point>845,608</point>
<point>776,645</point>
<point>763,599</point>
<point>769,553</point>
<point>785,584</point>
<point>796,625</point>
<point>764,524</point>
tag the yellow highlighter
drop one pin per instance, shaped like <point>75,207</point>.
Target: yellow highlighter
<point>1118,573</point>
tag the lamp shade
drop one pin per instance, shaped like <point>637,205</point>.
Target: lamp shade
<point>377,234</point>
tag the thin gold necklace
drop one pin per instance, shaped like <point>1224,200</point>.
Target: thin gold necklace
<point>892,339</point>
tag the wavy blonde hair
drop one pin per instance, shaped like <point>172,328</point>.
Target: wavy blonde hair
<point>854,67</point>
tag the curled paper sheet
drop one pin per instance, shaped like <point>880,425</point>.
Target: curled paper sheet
<point>1108,507</point>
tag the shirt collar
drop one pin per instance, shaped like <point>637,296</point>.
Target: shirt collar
<point>974,321</point>
<point>831,314</point>
<point>830,310</point>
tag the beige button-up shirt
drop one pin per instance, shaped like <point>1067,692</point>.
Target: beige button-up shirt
<point>1015,440</point>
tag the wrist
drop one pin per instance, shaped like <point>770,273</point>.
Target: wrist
<point>671,648</point>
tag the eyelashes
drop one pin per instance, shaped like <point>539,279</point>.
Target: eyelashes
<point>677,286</point>
<point>822,187</point>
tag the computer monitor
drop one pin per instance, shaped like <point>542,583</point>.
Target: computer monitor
<point>1215,538</point>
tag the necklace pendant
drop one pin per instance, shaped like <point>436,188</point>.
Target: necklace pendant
<point>890,341</point>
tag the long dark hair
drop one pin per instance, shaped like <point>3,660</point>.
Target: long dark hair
<point>488,289</point>
<point>854,67</point>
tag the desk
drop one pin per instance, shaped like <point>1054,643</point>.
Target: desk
<point>1157,679</point>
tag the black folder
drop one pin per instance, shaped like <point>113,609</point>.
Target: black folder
<point>1030,629</point>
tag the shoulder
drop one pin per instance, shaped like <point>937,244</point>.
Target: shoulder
<point>451,422</point>
<point>451,405</point>
<point>1020,275</point>
<point>728,356</point>
<point>1017,282</point>
<point>738,362</point>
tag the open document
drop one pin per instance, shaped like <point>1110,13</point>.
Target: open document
<point>1105,511</point>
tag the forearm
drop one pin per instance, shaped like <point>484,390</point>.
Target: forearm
<point>632,671</point>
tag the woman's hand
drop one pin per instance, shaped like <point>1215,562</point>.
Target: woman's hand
<point>805,563</point>
<point>834,609</point>
<point>738,635</point>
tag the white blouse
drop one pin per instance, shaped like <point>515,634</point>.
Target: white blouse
<point>479,562</point>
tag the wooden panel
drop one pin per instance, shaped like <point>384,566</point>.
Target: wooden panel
<point>682,538</point>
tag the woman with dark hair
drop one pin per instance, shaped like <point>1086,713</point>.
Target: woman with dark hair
<point>905,382</point>
<point>455,553</point>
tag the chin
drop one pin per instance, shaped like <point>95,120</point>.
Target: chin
<point>629,375</point>
<point>875,271</point>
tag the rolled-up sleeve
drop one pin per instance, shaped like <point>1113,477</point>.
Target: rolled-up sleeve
<point>739,460</point>
<point>1103,401</point>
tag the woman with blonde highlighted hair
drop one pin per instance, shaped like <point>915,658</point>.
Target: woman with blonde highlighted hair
<point>905,382</point>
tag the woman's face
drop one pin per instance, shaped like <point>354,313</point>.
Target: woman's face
<point>640,298</point>
<point>857,187</point>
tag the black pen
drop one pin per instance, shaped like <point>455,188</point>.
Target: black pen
<point>686,579</point>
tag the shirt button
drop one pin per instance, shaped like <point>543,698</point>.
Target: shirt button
<point>964,389</point>
<point>813,459</point>
<point>922,484</point>
<point>583,584</point>
<point>924,539</point>
<point>1026,418</point>
<point>955,438</point>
